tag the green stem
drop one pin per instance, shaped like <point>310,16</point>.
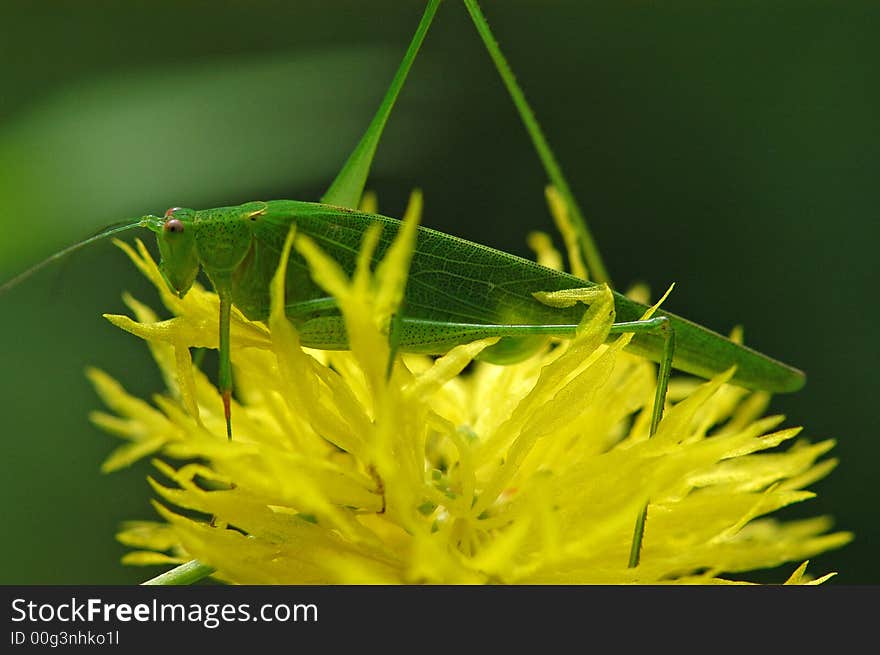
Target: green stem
<point>593,259</point>
<point>348,186</point>
<point>185,574</point>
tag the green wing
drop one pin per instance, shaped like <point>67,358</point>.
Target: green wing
<point>457,281</point>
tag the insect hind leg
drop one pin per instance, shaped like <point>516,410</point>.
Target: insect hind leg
<point>663,326</point>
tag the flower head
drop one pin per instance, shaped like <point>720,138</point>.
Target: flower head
<point>448,470</point>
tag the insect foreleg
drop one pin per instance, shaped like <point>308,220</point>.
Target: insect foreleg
<point>225,377</point>
<point>661,325</point>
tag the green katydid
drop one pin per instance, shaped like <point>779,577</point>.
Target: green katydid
<point>457,291</point>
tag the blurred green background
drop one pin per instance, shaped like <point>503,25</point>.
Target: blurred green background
<point>732,147</point>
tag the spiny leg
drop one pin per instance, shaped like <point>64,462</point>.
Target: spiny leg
<point>662,325</point>
<point>302,309</point>
<point>225,377</point>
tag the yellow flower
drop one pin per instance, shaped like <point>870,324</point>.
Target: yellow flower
<point>527,473</point>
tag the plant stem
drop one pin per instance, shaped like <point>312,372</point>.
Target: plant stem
<point>595,265</point>
<point>185,574</point>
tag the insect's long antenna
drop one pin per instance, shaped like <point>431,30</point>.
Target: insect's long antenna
<point>110,230</point>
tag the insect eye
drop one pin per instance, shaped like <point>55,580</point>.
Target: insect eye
<point>173,225</point>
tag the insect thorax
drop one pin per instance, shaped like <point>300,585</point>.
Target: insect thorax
<point>223,238</point>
